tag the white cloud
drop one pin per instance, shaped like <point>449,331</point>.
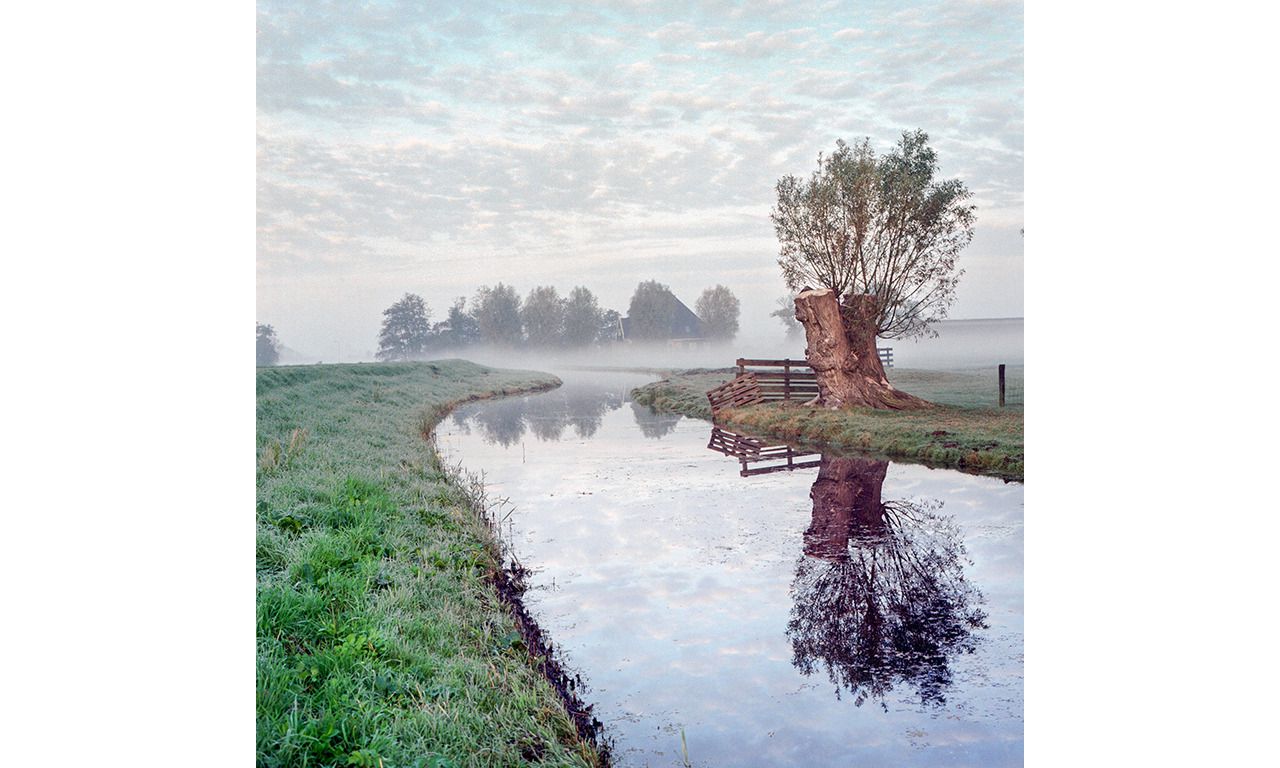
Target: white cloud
<point>439,143</point>
<point>759,44</point>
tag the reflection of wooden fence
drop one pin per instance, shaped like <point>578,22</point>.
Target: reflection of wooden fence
<point>753,450</point>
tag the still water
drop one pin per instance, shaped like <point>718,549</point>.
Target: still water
<point>775,608</point>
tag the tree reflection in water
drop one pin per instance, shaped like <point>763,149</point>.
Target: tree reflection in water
<point>880,595</point>
<point>547,415</point>
<point>586,409</point>
<point>652,423</point>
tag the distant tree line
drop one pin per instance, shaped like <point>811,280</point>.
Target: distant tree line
<point>544,319</point>
<point>268,346</point>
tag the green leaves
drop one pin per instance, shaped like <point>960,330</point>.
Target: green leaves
<point>364,759</point>
<point>879,226</point>
<point>405,329</point>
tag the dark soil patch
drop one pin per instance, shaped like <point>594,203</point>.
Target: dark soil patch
<point>510,583</point>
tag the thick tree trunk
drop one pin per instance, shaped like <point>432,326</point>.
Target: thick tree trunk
<point>842,352</point>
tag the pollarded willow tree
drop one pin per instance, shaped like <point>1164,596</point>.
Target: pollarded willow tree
<point>870,243</point>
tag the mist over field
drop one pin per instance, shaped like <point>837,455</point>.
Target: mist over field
<point>960,344</point>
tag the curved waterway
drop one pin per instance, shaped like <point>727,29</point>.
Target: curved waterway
<point>774,607</point>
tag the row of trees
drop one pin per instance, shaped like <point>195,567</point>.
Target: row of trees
<point>545,319</point>
<point>497,316</point>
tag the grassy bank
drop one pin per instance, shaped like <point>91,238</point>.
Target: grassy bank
<point>381,638</point>
<point>967,430</point>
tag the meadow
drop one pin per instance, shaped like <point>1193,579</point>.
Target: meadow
<point>381,639</point>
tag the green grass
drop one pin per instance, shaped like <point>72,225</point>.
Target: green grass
<point>967,430</point>
<point>381,640</point>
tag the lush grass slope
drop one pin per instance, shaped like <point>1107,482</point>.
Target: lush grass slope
<point>965,431</point>
<point>381,640</point>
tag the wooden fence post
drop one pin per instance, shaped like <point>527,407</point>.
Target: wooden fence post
<point>1002,385</point>
<point>786,380</point>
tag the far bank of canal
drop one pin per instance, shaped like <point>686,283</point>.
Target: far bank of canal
<point>851,612</point>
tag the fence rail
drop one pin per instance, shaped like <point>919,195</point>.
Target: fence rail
<point>886,359</point>
<point>759,381</point>
<point>743,390</point>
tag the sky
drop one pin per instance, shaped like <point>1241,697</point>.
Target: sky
<point>436,147</point>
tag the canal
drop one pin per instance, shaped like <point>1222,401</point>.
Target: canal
<point>749,605</point>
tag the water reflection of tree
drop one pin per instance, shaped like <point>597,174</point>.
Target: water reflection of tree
<point>547,415</point>
<point>586,409</point>
<point>501,421</point>
<point>879,595</point>
<point>652,423</point>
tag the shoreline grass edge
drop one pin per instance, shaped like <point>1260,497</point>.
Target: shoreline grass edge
<point>386,631</point>
<point>961,432</point>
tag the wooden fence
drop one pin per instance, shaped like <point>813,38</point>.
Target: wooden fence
<point>759,381</point>
<point>781,379</point>
<point>743,390</point>
<point>752,450</point>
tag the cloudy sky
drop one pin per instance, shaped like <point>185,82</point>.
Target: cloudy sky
<point>436,147</point>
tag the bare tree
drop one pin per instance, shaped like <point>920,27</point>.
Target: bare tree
<point>870,243</point>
